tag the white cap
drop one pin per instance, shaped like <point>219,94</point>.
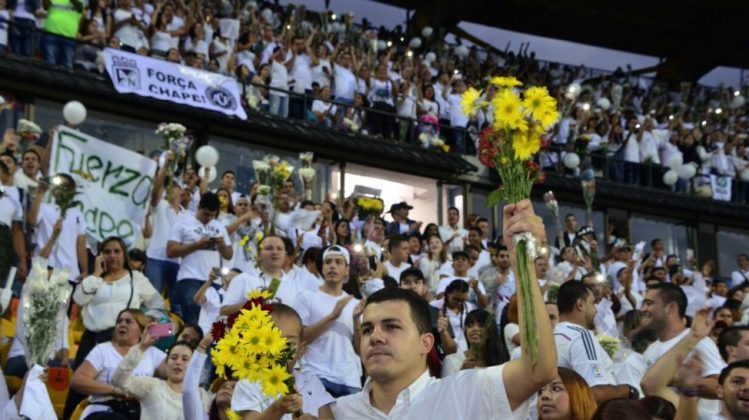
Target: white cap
<point>337,250</point>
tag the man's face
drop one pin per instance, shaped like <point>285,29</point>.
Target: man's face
<point>191,176</point>
<point>273,254</point>
<point>460,264</point>
<point>721,289</point>
<point>291,330</point>
<point>595,286</point>
<point>205,216</point>
<point>402,251</point>
<point>284,203</point>
<point>624,254</point>
<point>334,268</point>
<point>741,350</point>
<point>503,259</point>
<point>414,284</point>
<point>571,223</point>
<point>484,226</point>
<point>654,311</point>
<point>553,311</point>
<point>229,181</point>
<point>542,267</point>
<point>299,46</point>
<point>660,273</point>
<point>288,188</point>
<point>391,346</point>
<point>735,393</point>
<point>377,232</point>
<point>10,163</point>
<point>658,246</point>
<point>742,261</point>
<point>453,217</point>
<point>590,311</point>
<point>30,164</point>
<point>474,238</point>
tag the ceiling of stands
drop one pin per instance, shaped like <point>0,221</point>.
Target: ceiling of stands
<point>694,36</point>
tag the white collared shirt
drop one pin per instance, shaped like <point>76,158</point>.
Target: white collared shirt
<point>248,396</point>
<point>468,394</point>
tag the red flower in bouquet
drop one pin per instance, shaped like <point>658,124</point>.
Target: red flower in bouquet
<point>487,151</point>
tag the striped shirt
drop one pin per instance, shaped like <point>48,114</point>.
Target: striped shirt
<point>579,350</point>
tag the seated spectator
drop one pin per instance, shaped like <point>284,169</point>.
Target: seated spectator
<point>94,376</point>
<point>454,305</point>
<point>567,396</point>
<point>324,110</point>
<point>484,345</point>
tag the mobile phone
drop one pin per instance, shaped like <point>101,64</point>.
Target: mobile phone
<point>216,272</point>
<point>162,330</point>
<point>690,254</point>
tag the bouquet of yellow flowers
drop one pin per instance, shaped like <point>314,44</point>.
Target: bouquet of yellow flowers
<point>520,123</point>
<point>252,347</point>
<point>369,206</point>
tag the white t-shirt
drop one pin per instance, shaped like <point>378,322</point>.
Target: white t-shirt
<point>511,329</point>
<point>579,350</point>
<point>4,18</point>
<point>468,394</point>
<point>457,244</point>
<point>331,356</point>
<point>395,272</point>
<point>248,396</point>
<point>631,369</point>
<point>457,322</point>
<point>10,210</point>
<point>345,83</point>
<point>457,117</point>
<point>163,219</point>
<point>321,106</point>
<point>712,363</point>
<point>301,73</point>
<point>279,78</point>
<point>209,310</point>
<point>65,252</point>
<point>287,293</point>
<point>605,320</point>
<point>128,34</point>
<point>105,359</point>
<point>198,264</point>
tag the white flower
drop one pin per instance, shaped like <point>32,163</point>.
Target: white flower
<point>307,174</point>
<point>38,286</point>
<point>260,166</point>
<point>424,138</point>
<point>437,142</point>
<point>263,190</point>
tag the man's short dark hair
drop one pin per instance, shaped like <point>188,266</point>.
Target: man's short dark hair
<point>10,155</point>
<point>476,229</point>
<point>654,241</point>
<point>228,172</point>
<point>27,151</point>
<point>396,241</point>
<point>4,168</point>
<point>742,255</point>
<point>306,203</point>
<point>413,272</point>
<point>453,208</point>
<point>311,254</point>
<point>482,219</point>
<point>420,313</point>
<point>730,337</point>
<point>288,245</point>
<point>209,201</point>
<point>744,364</point>
<point>669,292</point>
<point>568,295</point>
<point>569,215</point>
<point>279,309</point>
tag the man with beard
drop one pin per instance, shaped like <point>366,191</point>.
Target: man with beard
<point>606,306</point>
<point>578,349</point>
<point>663,310</point>
<point>733,390</point>
<point>499,280</point>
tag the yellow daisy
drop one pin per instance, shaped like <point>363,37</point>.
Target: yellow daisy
<point>252,340</point>
<point>540,106</point>
<point>508,112</point>
<point>248,370</point>
<point>231,414</point>
<point>505,82</point>
<point>525,145</point>
<point>274,381</point>
<point>272,341</point>
<point>471,102</point>
<point>230,349</point>
<point>259,294</point>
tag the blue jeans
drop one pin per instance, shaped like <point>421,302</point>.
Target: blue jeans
<point>16,366</point>
<point>185,291</point>
<point>338,390</point>
<point>21,34</point>
<point>279,105</point>
<point>459,139</point>
<point>163,274</point>
<point>59,50</point>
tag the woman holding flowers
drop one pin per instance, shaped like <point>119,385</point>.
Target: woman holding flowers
<point>159,399</point>
<point>192,394</point>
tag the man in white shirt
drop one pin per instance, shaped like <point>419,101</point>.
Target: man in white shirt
<point>331,319</point>
<point>345,80</point>
<point>70,250</point>
<point>201,242</point>
<point>460,271</point>
<point>375,238</point>
<point>578,349</point>
<point>605,320</point>
<point>272,257</point>
<point>499,280</point>
<point>301,74</point>
<point>160,269</point>
<point>742,274</point>
<point>397,256</point>
<point>279,81</point>
<point>29,174</point>
<point>229,182</point>
<point>11,227</point>
<point>452,234</point>
<point>733,343</point>
<point>474,240</point>
<point>312,399</point>
<point>458,120</point>
<point>663,311</point>
<point>570,231</point>
<point>396,339</point>
<point>733,386</point>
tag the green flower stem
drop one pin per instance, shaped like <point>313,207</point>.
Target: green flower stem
<point>526,299</point>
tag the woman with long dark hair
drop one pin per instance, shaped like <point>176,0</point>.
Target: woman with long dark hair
<point>432,261</point>
<point>342,230</point>
<point>455,306</point>
<point>484,345</point>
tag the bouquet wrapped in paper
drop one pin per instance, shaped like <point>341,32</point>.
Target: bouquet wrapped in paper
<point>369,206</point>
<point>44,301</point>
<point>178,144</point>
<point>521,120</point>
<point>610,344</point>
<point>306,173</point>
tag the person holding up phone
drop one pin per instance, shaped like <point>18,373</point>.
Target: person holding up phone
<point>111,288</point>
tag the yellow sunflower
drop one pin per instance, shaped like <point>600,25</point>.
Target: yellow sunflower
<point>229,350</point>
<point>508,112</point>
<point>505,82</point>
<point>274,381</point>
<point>540,106</point>
<point>526,144</point>
<point>471,102</point>
<point>252,340</point>
<point>248,370</point>
<point>259,293</point>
